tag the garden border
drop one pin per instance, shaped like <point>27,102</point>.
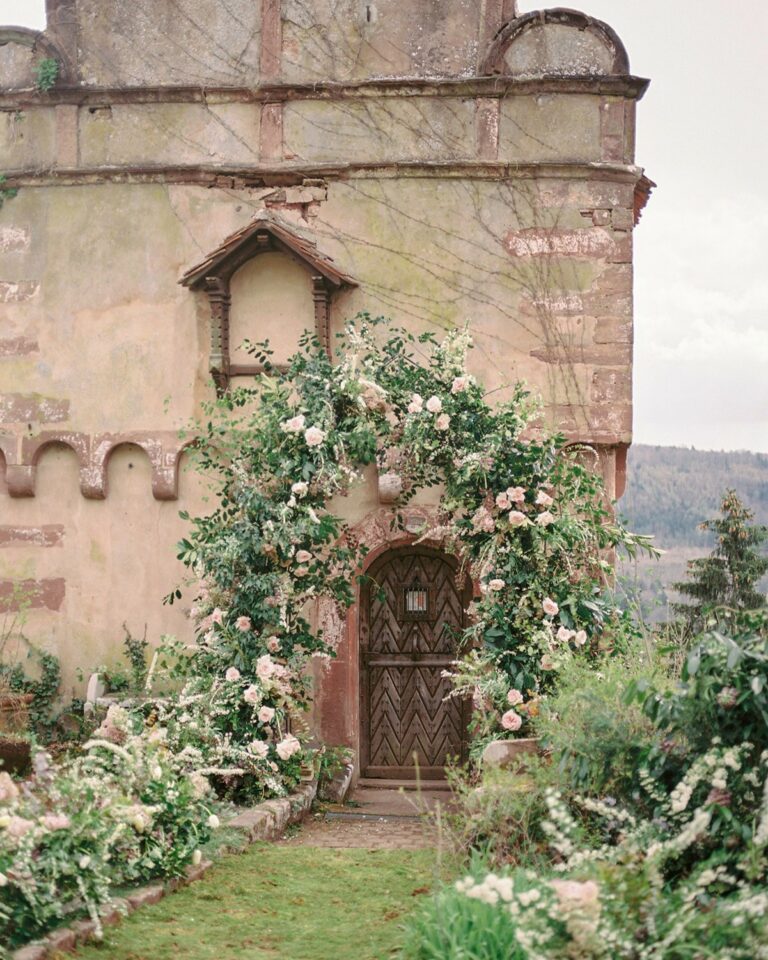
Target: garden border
<point>264,822</point>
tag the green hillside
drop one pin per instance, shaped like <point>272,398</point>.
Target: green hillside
<point>670,490</point>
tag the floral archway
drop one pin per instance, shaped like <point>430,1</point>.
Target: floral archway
<point>528,522</point>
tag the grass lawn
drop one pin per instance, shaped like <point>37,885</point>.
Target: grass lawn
<point>281,902</point>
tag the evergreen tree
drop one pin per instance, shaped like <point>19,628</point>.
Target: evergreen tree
<point>729,576</point>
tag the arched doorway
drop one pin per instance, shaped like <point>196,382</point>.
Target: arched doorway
<point>411,612</point>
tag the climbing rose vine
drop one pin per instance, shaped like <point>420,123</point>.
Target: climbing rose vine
<point>530,525</point>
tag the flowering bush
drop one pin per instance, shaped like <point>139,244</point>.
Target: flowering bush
<point>117,814</point>
<point>672,865</point>
<point>529,523</point>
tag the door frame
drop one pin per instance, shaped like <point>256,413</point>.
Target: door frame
<point>466,594</point>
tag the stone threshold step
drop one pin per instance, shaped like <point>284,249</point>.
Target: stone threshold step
<point>425,786</point>
<point>374,817</point>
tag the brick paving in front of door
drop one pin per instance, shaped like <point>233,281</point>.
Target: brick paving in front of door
<point>377,819</point>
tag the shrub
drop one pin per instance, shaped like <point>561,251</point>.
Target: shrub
<point>500,817</point>
<point>119,813</point>
<point>596,740</point>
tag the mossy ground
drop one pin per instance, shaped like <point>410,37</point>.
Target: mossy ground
<point>281,902</point>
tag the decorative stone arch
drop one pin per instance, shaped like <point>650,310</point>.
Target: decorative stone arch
<point>600,52</point>
<point>33,448</point>
<point>338,690</point>
<point>38,44</point>
<point>264,234</point>
<point>93,452</point>
<point>163,452</point>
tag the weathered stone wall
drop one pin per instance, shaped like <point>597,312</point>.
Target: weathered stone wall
<point>453,177</point>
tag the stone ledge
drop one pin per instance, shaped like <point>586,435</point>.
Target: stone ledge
<point>266,821</point>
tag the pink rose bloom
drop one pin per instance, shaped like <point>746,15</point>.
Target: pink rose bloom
<point>434,404</point>
<point>303,556</point>
<point>482,520</point>
<point>516,519</point>
<point>301,571</point>
<point>459,384</point>
<point>217,616</point>
<point>511,720</point>
<point>243,623</point>
<point>547,663</point>
<point>502,501</point>
<point>416,405</point>
<point>273,645</point>
<point>314,436</point>
<point>496,584</point>
<point>543,499</point>
<point>295,424</point>
<point>232,675</point>
<point>273,766</point>
<point>514,697</point>
<point>564,634</point>
<point>19,826</point>
<point>287,747</point>
<point>300,488</point>
<point>443,422</point>
<point>266,715</point>
<point>516,494</point>
<point>580,638</point>
<point>56,821</point>
<point>265,667</point>
<point>252,695</point>
<point>544,519</point>
<point>550,607</point>
<point>259,748</point>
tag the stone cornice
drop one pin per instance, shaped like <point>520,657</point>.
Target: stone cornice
<point>631,88</point>
<point>243,176</point>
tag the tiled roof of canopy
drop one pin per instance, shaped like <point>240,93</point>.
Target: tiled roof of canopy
<point>300,246</point>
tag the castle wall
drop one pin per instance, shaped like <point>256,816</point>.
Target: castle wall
<point>394,136</point>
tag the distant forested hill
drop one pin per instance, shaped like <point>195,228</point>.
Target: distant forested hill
<point>670,490</point>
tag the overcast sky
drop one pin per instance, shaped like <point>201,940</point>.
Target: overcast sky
<point>701,317</point>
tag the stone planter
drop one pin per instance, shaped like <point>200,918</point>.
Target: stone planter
<point>510,753</point>
<point>335,790</point>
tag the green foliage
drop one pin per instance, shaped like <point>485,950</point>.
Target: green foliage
<point>721,697</point>
<point>331,761</point>
<point>6,193</point>
<point>528,521</point>
<point>673,863</point>
<point>47,73</point>
<point>596,739</point>
<point>44,688</point>
<point>670,492</point>
<point>452,926</point>
<point>729,576</point>
<point>116,814</point>
<point>500,817</point>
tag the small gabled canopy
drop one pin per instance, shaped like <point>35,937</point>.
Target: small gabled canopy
<point>263,234</point>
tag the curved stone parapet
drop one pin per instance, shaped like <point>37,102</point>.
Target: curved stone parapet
<point>544,43</point>
<point>93,453</point>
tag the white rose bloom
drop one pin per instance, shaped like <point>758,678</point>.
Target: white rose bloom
<point>213,821</point>
<point>434,404</point>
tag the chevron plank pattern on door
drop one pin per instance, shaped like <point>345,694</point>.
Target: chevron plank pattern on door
<point>408,723</point>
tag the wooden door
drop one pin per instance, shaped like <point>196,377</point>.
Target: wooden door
<point>412,613</point>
